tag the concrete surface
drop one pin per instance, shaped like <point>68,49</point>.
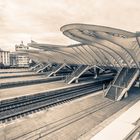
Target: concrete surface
<point>15,74</point>
<point>123,125</point>
<point>6,80</point>
<point>132,93</point>
<point>72,131</point>
<point>29,89</point>
<point>14,70</point>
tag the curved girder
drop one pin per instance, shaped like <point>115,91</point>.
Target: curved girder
<point>108,54</point>
<point>51,46</point>
<point>42,56</point>
<point>37,57</point>
<point>100,33</point>
<point>108,46</point>
<point>58,49</point>
<point>88,60</point>
<point>94,42</point>
<point>122,45</point>
<point>120,32</point>
<point>68,56</point>
<point>73,46</point>
<point>93,54</point>
<point>62,50</point>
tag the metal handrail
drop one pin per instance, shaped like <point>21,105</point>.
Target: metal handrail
<point>77,71</point>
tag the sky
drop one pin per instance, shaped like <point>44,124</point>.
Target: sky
<point>40,20</point>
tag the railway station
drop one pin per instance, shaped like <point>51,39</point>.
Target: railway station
<point>84,91</point>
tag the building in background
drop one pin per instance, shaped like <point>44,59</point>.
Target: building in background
<point>13,62</point>
<point>21,47</point>
<point>4,58</point>
<point>19,59</point>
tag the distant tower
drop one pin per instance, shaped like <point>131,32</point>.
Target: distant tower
<point>19,59</point>
<point>21,47</point>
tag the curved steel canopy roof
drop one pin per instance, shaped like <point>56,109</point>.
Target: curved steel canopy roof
<point>99,45</point>
<point>117,40</point>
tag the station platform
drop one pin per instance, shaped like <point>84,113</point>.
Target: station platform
<point>39,122</point>
<point>26,81</point>
<point>2,75</point>
<point>14,70</point>
<point>17,79</point>
<point>29,89</point>
<point>23,81</point>
<point>122,126</point>
<point>18,91</point>
<point>119,125</point>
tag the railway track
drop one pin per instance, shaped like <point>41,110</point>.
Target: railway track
<point>18,107</point>
<point>135,133</point>
<point>50,128</point>
<point>59,124</point>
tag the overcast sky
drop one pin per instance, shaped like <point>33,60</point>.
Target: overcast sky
<point>40,20</point>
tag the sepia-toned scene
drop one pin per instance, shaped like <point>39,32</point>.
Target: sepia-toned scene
<point>69,70</point>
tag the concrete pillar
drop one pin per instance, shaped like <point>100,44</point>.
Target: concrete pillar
<point>139,81</point>
<point>139,84</point>
<point>76,81</point>
<point>126,95</point>
<point>95,76</point>
<point>95,72</point>
<point>103,90</point>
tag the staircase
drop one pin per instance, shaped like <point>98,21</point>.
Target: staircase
<point>42,69</point>
<point>122,83</point>
<point>77,73</point>
<point>36,66</point>
<point>55,70</point>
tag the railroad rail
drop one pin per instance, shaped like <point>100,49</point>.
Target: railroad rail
<point>61,123</point>
<point>14,108</point>
<point>52,127</point>
<point>135,133</point>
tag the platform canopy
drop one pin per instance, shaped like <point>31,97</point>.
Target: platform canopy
<point>98,45</point>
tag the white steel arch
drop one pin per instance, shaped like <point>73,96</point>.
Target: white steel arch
<point>119,40</point>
